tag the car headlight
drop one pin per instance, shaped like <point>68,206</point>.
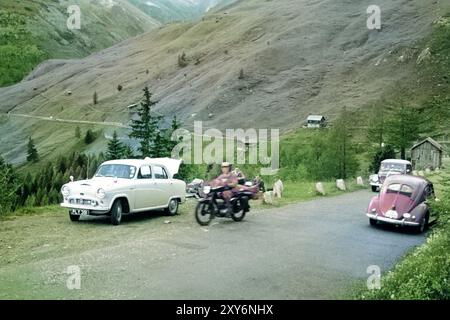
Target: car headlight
<point>406,215</point>
<point>101,193</point>
<point>374,178</point>
<point>65,190</point>
<point>206,189</point>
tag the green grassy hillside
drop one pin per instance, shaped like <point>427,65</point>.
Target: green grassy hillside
<point>34,30</point>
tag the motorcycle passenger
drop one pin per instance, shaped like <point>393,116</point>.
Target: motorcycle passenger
<point>239,175</point>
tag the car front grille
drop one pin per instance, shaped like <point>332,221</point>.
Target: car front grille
<point>84,202</point>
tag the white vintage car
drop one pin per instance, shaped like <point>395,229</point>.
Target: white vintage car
<point>126,186</point>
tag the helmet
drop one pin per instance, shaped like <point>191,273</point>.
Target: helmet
<point>226,165</point>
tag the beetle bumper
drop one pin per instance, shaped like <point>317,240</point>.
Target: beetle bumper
<point>402,222</point>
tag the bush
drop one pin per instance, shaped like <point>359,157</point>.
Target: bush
<point>182,60</point>
<point>89,137</point>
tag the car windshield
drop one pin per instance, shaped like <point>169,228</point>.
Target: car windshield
<point>403,189</point>
<point>392,167</point>
<point>116,171</point>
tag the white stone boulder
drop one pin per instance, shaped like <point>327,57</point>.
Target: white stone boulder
<point>340,184</point>
<point>268,197</point>
<point>320,188</point>
<point>278,189</point>
<point>360,181</point>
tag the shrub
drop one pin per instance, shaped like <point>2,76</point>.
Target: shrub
<point>182,60</point>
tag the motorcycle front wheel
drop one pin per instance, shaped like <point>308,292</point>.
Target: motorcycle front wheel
<point>203,213</point>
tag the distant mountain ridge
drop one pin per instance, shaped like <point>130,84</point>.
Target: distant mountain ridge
<point>177,10</point>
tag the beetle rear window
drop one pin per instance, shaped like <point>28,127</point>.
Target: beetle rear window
<point>403,189</point>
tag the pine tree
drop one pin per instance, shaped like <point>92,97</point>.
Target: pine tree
<point>145,129</point>
<point>9,187</point>
<point>175,125</point>
<point>77,132</point>
<point>163,141</point>
<point>241,74</point>
<point>377,126</point>
<point>128,152</point>
<point>115,148</point>
<point>341,146</point>
<point>404,126</point>
<point>32,154</point>
<point>95,98</point>
<point>89,137</point>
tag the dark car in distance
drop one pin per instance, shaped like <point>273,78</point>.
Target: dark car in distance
<point>403,200</point>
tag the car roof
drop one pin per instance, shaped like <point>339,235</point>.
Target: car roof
<point>396,161</point>
<point>130,162</point>
<point>171,165</point>
<point>413,181</point>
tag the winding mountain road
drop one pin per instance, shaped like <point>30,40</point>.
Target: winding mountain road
<point>314,249</point>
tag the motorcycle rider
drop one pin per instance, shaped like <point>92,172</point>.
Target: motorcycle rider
<point>229,179</point>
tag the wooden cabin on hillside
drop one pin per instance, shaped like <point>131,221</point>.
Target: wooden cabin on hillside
<point>427,154</point>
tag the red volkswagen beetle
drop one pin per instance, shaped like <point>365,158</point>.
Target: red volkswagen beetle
<point>403,200</point>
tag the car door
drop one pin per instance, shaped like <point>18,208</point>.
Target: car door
<point>145,196</point>
<point>163,184</point>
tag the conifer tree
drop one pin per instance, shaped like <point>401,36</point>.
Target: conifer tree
<point>32,154</point>
<point>145,129</point>
<point>115,148</point>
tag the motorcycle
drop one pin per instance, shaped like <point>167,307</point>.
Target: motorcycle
<point>211,204</point>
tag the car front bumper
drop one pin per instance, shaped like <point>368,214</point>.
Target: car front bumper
<point>402,222</point>
<point>92,210</point>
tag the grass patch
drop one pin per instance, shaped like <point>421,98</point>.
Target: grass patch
<point>424,274</point>
<point>297,191</point>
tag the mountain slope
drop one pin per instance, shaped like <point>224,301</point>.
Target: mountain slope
<point>33,30</point>
<point>297,57</point>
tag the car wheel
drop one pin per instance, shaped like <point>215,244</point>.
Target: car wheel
<point>116,213</point>
<point>424,223</point>
<point>74,217</point>
<point>172,209</point>
<point>374,188</point>
<point>373,222</point>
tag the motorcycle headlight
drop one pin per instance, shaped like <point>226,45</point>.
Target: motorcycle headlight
<point>101,193</point>
<point>206,189</point>
<point>65,190</point>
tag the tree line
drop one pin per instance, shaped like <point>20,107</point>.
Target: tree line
<point>43,188</point>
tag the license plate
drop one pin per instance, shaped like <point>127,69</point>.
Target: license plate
<point>80,212</point>
<point>392,214</point>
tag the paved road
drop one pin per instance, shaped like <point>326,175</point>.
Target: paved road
<point>314,249</point>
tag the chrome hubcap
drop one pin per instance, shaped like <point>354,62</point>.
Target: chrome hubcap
<point>119,212</point>
<point>173,205</point>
